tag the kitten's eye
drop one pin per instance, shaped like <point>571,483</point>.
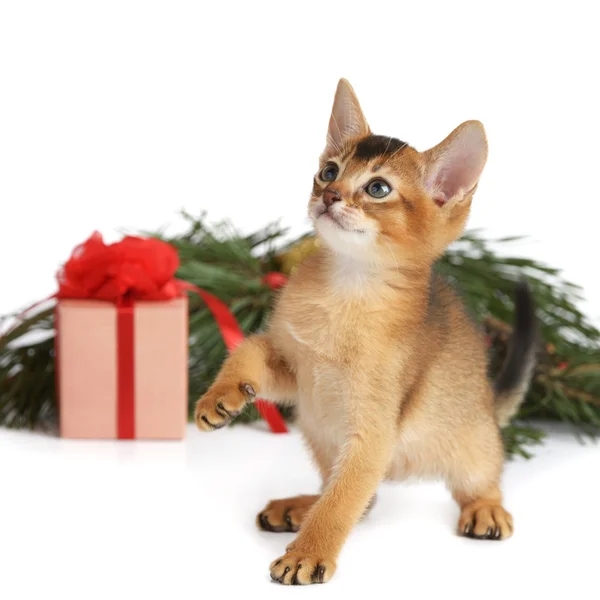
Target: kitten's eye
<point>329,172</point>
<point>378,189</point>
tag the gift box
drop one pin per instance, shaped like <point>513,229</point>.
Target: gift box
<point>122,369</point>
<point>121,343</point>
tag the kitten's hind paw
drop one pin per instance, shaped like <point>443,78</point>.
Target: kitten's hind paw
<point>286,514</point>
<point>485,522</point>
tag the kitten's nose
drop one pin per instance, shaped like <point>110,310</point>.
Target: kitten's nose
<point>331,196</point>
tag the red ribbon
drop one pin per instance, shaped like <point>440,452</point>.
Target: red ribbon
<point>232,336</point>
<point>138,269</point>
<point>125,372</point>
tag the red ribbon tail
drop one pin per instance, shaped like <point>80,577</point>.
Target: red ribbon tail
<point>270,413</point>
<point>232,336</point>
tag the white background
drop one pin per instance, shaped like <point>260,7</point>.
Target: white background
<point>117,114</point>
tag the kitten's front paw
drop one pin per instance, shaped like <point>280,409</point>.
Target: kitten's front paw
<point>302,568</point>
<point>221,404</point>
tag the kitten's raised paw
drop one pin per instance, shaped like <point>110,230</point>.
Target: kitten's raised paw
<point>298,568</point>
<point>285,514</point>
<point>221,404</point>
<point>485,522</point>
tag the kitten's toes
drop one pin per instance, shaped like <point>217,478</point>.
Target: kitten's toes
<point>286,514</point>
<point>485,522</point>
<point>222,404</point>
<point>302,568</point>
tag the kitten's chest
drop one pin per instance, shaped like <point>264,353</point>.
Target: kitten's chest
<point>324,401</point>
<point>323,333</point>
<point>332,311</point>
<point>326,344</point>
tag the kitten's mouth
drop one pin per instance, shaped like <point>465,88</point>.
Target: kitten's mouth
<point>331,217</point>
<point>325,213</point>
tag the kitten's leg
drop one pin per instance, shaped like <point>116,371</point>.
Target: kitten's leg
<point>312,556</point>
<point>474,481</point>
<point>287,514</point>
<point>253,368</point>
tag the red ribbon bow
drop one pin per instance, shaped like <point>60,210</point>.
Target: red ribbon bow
<point>134,268</point>
<point>137,269</point>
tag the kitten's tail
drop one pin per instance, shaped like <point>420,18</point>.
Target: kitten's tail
<point>513,381</point>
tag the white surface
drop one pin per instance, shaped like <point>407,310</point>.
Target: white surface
<point>125,520</point>
<point>116,114</point>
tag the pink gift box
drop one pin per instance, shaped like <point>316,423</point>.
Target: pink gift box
<point>122,371</point>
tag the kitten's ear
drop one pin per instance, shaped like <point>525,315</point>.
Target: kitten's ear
<point>347,119</point>
<point>455,165</point>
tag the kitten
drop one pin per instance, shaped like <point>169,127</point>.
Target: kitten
<point>386,369</point>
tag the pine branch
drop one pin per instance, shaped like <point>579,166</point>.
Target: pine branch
<point>566,383</point>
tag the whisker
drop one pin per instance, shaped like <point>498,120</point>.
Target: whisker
<point>333,143</point>
<point>386,148</point>
<point>393,255</point>
<point>399,150</point>
<point>337,148</point>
